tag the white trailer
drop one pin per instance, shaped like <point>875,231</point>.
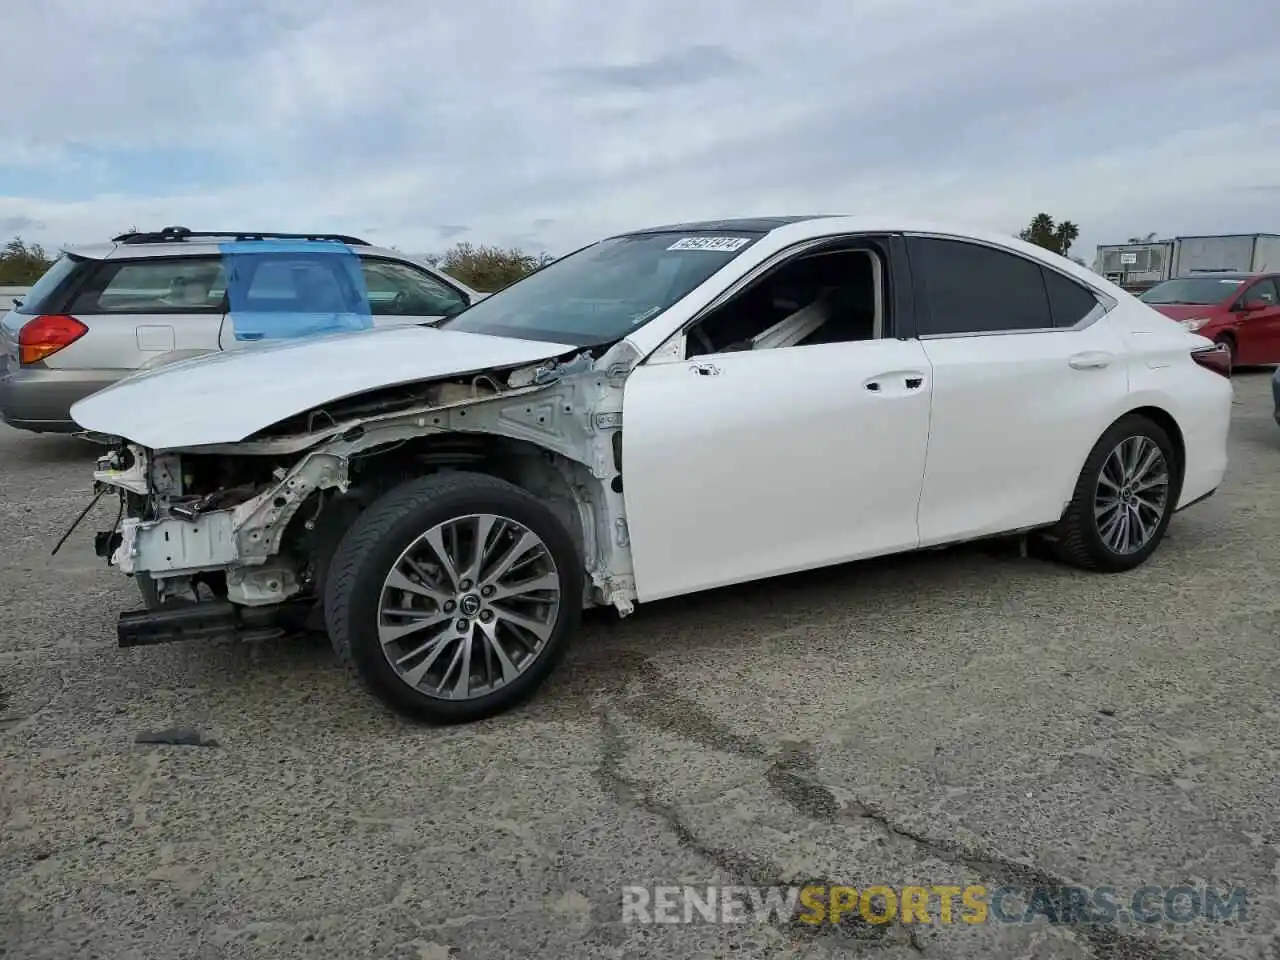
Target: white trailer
<point>1244,253</point>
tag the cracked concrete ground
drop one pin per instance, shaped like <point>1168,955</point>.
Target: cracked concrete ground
<point>954,717</point>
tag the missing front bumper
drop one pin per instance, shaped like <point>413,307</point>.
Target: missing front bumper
<point>207,620</point>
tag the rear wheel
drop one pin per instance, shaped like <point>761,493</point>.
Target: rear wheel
<point>454,596</point>
<point>1123,500</point>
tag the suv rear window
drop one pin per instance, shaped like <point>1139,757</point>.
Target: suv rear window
<point>49,284</point>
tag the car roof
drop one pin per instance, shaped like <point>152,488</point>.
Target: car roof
<point>194,248</point>
<point>210,246</point>
<point>1224,275</point>
<point>782,231</point>
<point>796,228</point>
<point>731,225</point>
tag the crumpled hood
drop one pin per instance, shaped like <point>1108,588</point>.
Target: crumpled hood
<point>226,397</point>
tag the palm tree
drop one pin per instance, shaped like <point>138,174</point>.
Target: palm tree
<point>1065,235</point>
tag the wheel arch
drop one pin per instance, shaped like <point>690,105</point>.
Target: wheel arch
<point>562,484</point>
<point>1161,418</point>
<point>1169,424</point>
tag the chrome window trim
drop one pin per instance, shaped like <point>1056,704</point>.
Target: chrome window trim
<point>1105,305</point>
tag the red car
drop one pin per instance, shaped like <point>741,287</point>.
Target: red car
<point>1241,310</point>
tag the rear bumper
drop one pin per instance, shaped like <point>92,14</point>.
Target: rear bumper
<point>40,399</point>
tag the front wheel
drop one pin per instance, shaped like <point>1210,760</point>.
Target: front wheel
<point>1123,500</point>
<point>453,596</point>
<point>1230,343</point>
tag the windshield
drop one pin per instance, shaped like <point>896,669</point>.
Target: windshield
<point>1198,290</point>
<point>603,292</point>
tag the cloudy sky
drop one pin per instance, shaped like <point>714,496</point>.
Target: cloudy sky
<point>547,123</point>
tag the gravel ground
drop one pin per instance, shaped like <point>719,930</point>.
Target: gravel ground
<point>954,717</point>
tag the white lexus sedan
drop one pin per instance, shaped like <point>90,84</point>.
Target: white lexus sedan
<point>664,411</point>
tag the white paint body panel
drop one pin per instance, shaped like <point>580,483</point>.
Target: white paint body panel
<point>1163,375</point>
<point>225,397</point>
<point>781,461</point>
<point>1012,424</point>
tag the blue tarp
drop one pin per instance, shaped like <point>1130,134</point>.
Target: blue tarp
<point>286,289</point>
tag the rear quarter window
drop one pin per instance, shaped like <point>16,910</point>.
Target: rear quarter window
<point>1069,301</point>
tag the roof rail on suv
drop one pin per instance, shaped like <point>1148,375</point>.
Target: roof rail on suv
<point>178,234</point>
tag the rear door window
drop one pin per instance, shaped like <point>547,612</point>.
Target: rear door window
<point>971,288</point>
<point>288,289</point>
<point>171,285</point>
<point>295,286</point>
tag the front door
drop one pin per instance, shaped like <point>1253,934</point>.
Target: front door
<point>744,465</point>
<point>402,295</point>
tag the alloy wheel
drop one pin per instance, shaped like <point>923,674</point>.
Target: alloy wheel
<point>1132,495</point>
<point>468,606</point>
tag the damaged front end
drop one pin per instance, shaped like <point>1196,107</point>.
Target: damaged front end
<point>237,537</point>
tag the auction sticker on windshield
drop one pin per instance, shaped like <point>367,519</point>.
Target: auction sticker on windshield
<point>714,244</point>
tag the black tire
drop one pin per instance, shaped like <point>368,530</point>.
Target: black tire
<point>1076,539</point>
<point>147,587</point>
<point>371,546</point>
<point>1230,343</point>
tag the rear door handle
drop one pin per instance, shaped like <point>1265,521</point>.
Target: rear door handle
<point>1091,360</point>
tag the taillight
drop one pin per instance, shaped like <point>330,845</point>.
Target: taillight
<point>46,335</point>
<point>1216,358</point>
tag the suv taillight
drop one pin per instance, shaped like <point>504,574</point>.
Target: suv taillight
<point>46,335</point>
<point>1216,358</point>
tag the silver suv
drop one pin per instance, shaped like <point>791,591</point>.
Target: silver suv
<point>105,311</point>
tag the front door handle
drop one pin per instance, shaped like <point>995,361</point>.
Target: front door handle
<point>893,384</point>
<point>1091,360</point>
<point>705,369</point>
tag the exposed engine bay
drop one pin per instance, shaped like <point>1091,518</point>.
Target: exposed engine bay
<point>255,523</point>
